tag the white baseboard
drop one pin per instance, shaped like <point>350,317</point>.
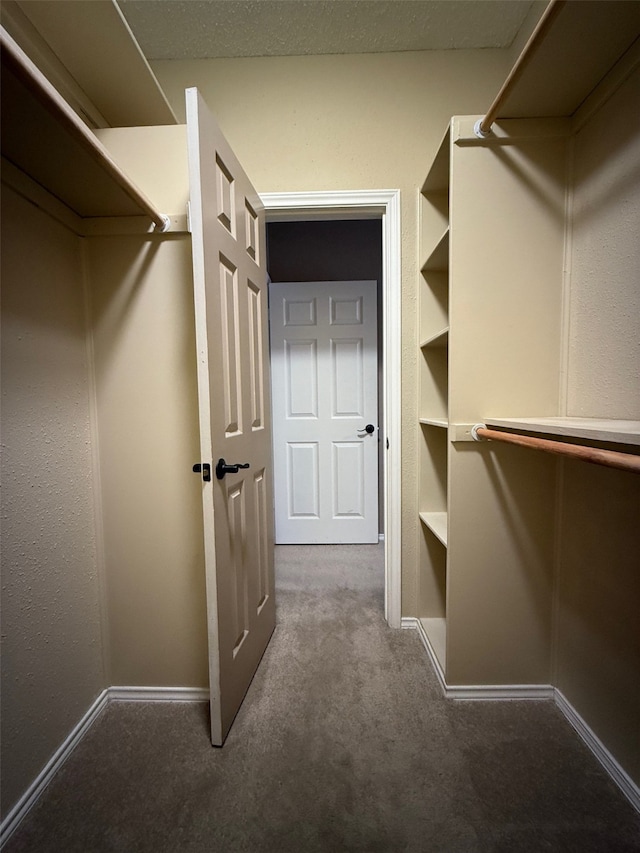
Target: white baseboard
<point>501,692</point>
<point>477,692</point>
<point>613,768</point>
<point>34,791</point>
<point>111,694</point>
<point>158,694</point>
<point>411,623</point>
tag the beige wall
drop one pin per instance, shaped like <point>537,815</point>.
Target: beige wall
<point>51,619</point>
<point>142,314</point>
<point>143,330</point>
<point>371,121</point>
<point>598,644</point>
<point>604,349</point>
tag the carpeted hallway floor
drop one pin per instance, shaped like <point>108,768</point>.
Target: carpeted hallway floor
<point>344,743</point>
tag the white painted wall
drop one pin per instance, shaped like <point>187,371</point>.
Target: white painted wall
<point>51,619</point>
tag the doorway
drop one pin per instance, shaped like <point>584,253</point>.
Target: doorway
<point>384,206</point>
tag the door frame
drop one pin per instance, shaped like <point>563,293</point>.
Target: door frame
<point>369,204</point>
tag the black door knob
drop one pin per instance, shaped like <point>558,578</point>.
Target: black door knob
<point>368,428</point>
<point>223,467</point>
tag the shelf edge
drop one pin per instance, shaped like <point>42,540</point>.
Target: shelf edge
<point>436,522</point>
<point>594,429</point>
<point>440,339</point>
<point>435,422</point>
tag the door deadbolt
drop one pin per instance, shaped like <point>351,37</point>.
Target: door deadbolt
<point>205,468</point>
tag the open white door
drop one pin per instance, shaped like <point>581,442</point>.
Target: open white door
<point>229,271</point>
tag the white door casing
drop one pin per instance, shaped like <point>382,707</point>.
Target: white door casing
<point>324,393</point>
<point>229,267</point>
<point>345,204</point>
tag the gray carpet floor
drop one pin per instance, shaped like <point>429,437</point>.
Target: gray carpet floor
<point>344,743</point>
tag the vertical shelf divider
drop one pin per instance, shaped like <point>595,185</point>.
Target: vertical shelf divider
<point>434,390</point>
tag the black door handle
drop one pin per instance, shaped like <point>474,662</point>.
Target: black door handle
<point>223,467</point>
<point>368,428</point>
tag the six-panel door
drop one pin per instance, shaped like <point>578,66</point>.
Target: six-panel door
<point>230,291</point>
<point>324,392</point>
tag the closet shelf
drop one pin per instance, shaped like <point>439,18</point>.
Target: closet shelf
<point>582,45</point>
<point>438,259</point>
<point>440,339</point>
<point>44,138</point>
<point>69,43</point>
<point>595,429</point>
<point>442,423</point>
<point>436,522</point>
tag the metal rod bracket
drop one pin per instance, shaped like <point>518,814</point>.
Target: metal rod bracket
<point>165,225</point>
<point>479,132</point>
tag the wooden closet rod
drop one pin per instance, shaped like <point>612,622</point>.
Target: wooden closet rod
<point>608,458</point>
<point>30,76</point>
<point>483,127</point>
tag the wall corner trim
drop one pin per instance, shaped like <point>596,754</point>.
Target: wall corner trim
<point>502,692</point>
<point>613,768</point>
<point>411,623</point>
<point>111,694</point>
<point>30,797</point>
<point>477,692</point>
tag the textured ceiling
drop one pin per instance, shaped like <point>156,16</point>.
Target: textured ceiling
<point>200,29</point>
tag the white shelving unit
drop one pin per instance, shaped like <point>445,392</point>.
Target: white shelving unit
<point>434,403</point>
<point>484,324</point>
<point>536,582</point>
